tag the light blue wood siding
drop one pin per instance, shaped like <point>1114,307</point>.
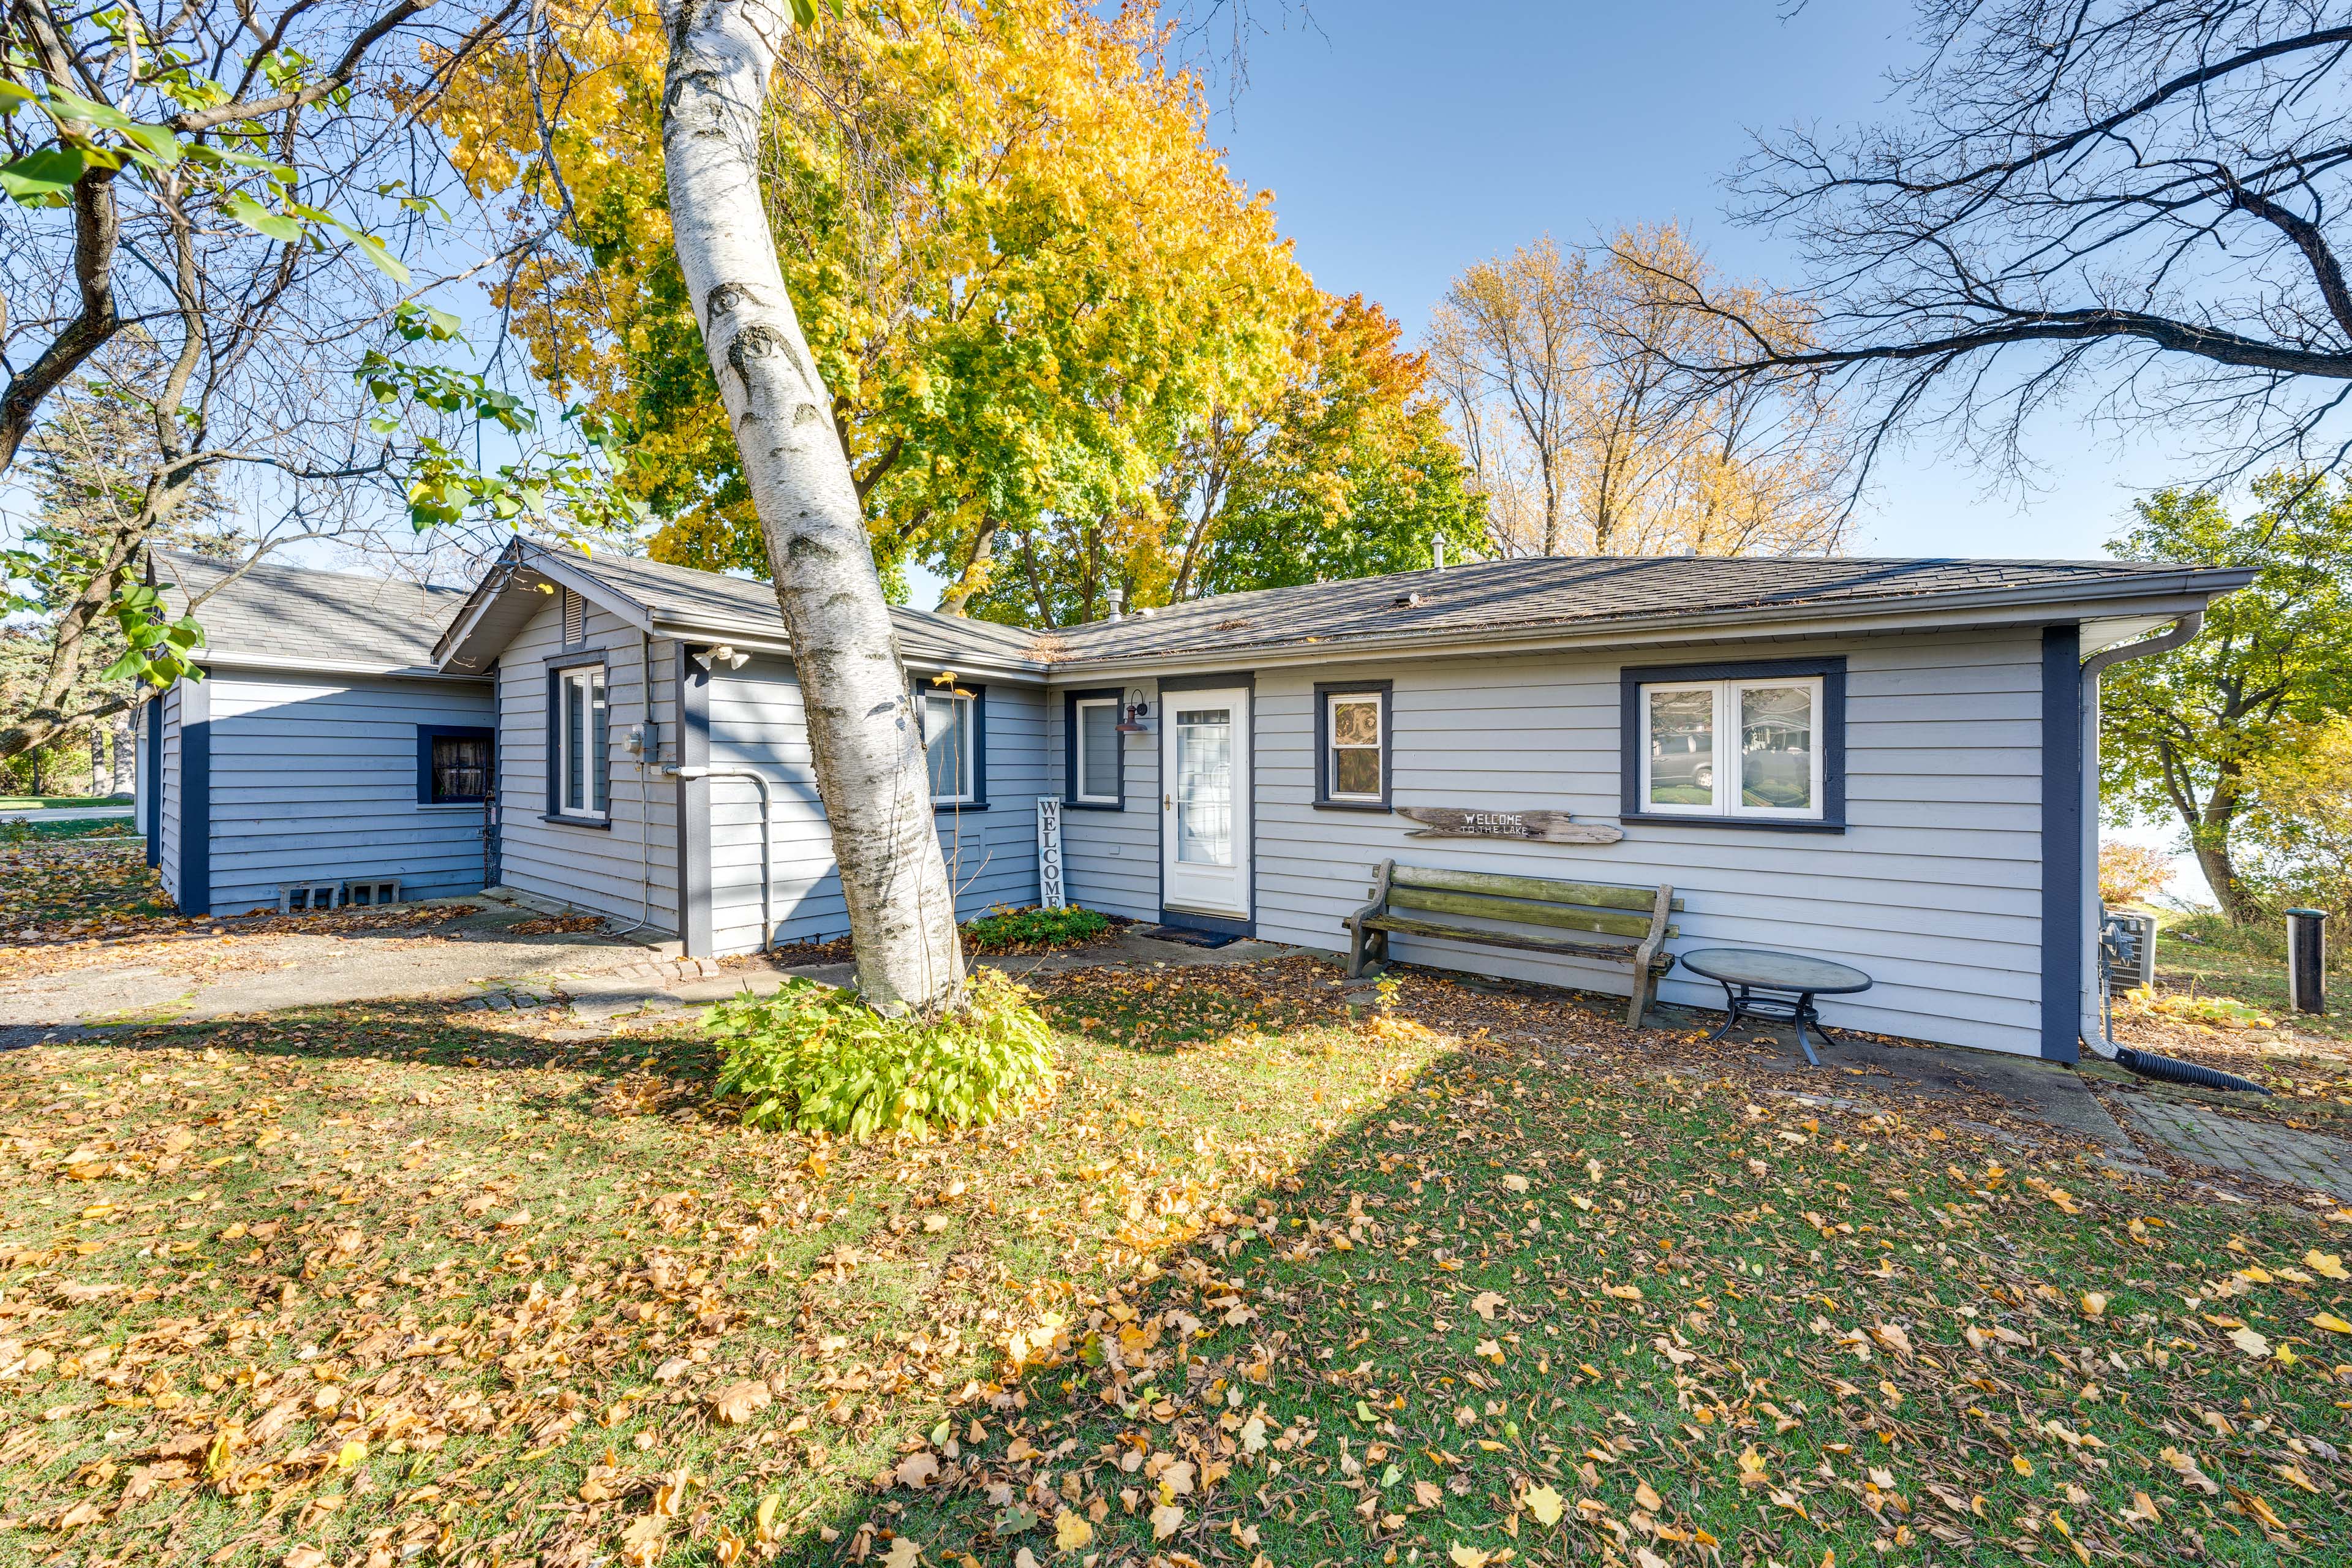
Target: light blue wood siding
<point>1934,890</point>
<point>757,724</point>
<point>1112,858</point>
<point>314,778</point>
<point>628,869</point>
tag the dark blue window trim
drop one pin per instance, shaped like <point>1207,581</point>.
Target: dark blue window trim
<point>429,733</point>
<point>979,695</point>
<point>155,739</point>
<point>556,670</point>
<point>1831,673</point>
<point>2063,936</point>
<point>1070,801</point>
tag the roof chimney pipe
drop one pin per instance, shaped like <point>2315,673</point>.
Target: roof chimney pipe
<point>1437,547</point>
<point>1118,602</point>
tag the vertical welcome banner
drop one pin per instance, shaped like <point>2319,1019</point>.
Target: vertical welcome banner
<point>1050,892</point>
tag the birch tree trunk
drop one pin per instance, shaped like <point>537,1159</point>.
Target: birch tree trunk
<point>863,732</point>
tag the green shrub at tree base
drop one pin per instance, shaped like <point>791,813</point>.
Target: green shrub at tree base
<point>816,1059</point>
<point>1032,930</point>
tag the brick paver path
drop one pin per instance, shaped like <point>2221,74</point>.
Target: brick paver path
<point>2260,1148</point>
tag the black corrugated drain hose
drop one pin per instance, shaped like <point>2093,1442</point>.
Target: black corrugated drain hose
<point>2148,1066</point>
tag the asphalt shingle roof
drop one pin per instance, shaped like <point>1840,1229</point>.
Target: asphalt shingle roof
<point>284,614</point>
<point>1501,596</point>
<point>684,593</point>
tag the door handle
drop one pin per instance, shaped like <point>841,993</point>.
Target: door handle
<point>1167,800</point>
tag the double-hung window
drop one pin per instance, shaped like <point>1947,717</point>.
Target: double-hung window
<point>1752,742</point>
<point>580,742</point>
<point>1351,744</point>
<point>951,745</point>
<point>1094,754</point>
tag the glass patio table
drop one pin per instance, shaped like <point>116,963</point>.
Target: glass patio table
<point>1779,986</point>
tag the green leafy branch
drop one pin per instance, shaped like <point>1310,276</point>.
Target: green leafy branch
<point>569,493</point>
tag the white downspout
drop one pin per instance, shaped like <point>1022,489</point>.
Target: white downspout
<point>2094,1014</point>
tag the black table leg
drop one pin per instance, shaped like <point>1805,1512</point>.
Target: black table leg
<point>1731,1013</point>
<point>1805,1011</point>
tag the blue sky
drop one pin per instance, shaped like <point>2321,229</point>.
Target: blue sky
<point>1404,141</point>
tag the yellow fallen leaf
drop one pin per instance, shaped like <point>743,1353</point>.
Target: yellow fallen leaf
<point>2020,1464</point>
<point>350,1454</point>
<point>1071,1531</point>
<point>1648,1498</point>
<point>1485,1304</point>
<point>903,1553</point>
<point>2094,1305</point>
<point>1515,1184</point>
<point>2327,1265</point>
<point>1752,1468</point>
<point>2331,1322</point>
<point>1543,1505</point>
<point>734,1404</point>
<point>1466,1556</point>
<point>1490,1351</point>
<point>2250,1342</point>
<point>1166,1521</point>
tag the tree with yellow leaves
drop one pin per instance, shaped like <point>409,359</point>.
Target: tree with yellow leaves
<point>1560,374</point>
<point>1025,275</point>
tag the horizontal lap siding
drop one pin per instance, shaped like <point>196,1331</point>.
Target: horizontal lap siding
<point>168,862</point>
<point>757,724</point>
<point>1934,890</point>
<point>628,869</point>
<point>1110,859</point>
<point>314,779</point>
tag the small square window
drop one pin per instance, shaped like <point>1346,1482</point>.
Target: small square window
<point>461,769</point>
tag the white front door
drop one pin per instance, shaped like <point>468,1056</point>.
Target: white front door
<point>1204,768</point>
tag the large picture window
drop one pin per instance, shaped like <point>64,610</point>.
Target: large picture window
<point>1094,754</point>
<point>579,738</point>
<point>1755,743</point>
<point>954,745</point>
<point>1351,745</point>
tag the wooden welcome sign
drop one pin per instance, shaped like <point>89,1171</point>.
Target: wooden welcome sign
<point>1529,826</point>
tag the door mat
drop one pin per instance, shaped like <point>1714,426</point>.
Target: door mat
<point>1189,937</point>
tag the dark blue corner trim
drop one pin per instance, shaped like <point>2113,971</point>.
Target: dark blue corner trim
<point>2062,843</point>
<point>154,738</point>
<point>429,733</point>
<point>696,927</point>
<point>195,797</point>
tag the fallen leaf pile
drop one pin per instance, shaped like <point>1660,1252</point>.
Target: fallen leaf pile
<point>1270,1283</point>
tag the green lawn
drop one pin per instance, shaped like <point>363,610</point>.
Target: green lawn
<point>1284,1287</point>
<point>2206,954</point>
<point>41,802</point>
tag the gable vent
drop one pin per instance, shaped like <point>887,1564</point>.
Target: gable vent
<point>575,620</point>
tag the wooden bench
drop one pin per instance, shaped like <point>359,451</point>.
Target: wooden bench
<point>1624,925</point>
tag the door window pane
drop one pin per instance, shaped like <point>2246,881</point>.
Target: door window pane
<point>1204,786</point>
<point>1682,747</point>
<point>1097,751</point>
<point>1775,747</point>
